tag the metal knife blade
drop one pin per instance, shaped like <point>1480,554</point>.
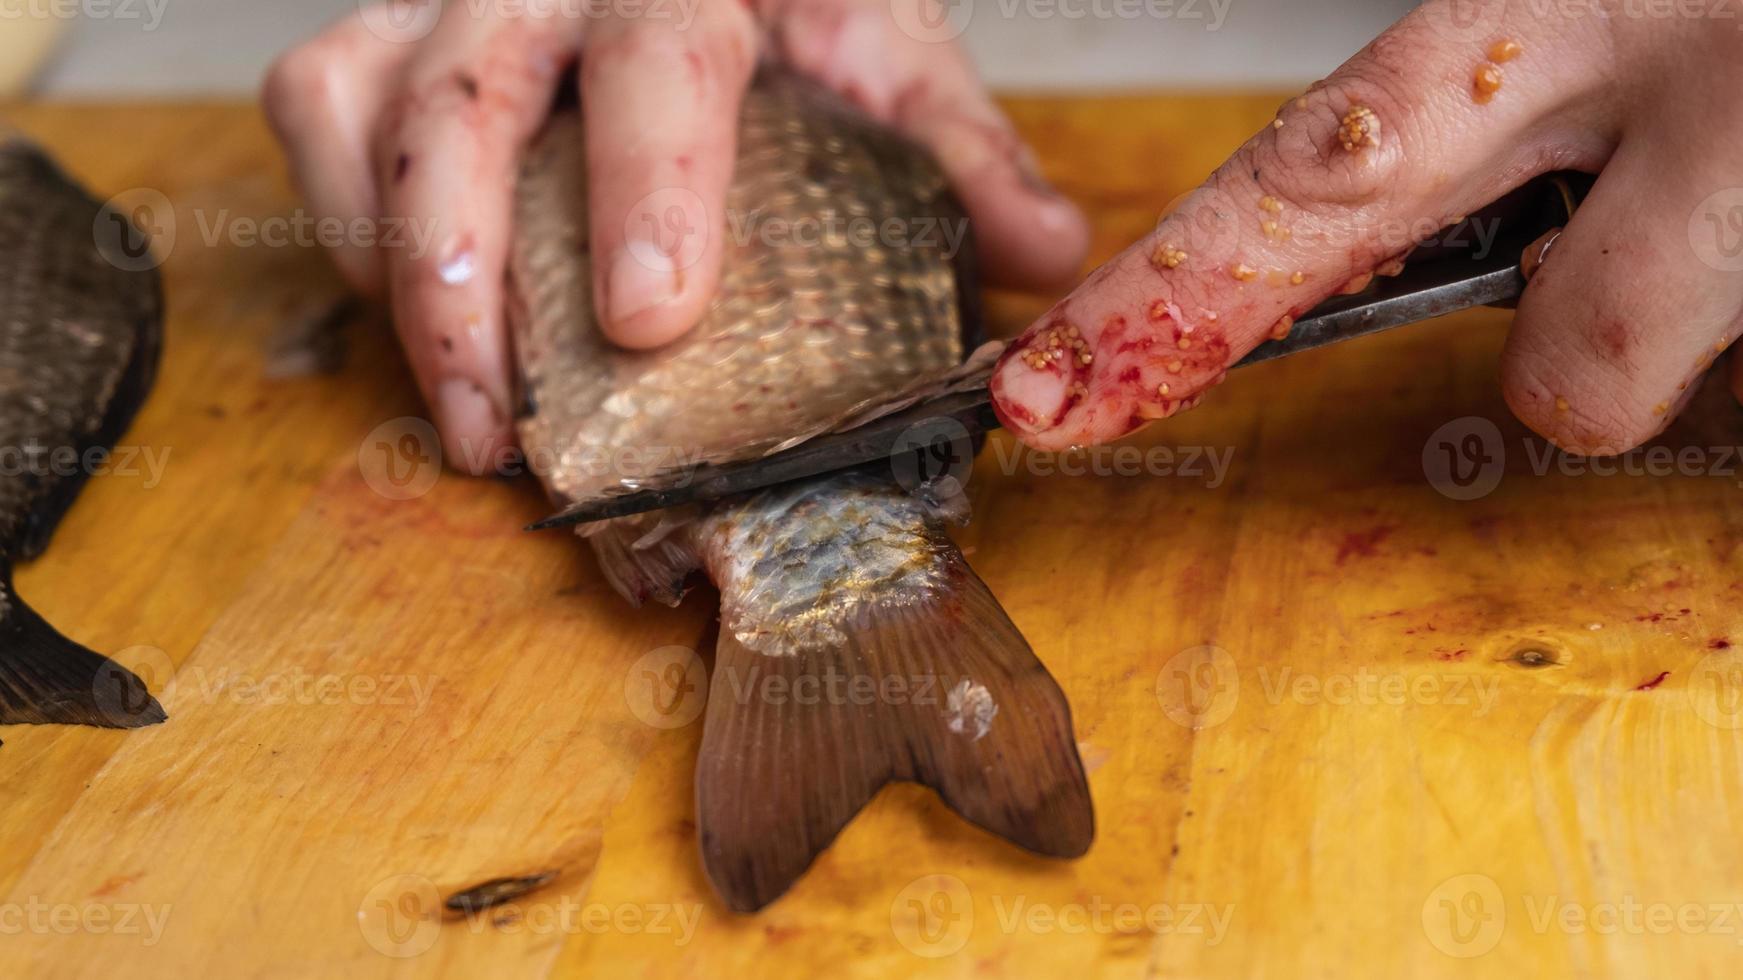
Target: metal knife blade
<point>1445,284</point>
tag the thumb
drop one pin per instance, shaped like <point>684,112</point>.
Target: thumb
<point>1403,139</point>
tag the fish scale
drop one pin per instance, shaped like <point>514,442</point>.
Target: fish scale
<point>80,328</point>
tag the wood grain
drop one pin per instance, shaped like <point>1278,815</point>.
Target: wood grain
<point>1340,722</point>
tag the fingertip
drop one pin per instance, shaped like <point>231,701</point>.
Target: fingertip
<point>1039,243</point>
<point>647,300</point>
<point>1028,402</point>
<point>362,269</point>
<point>473,427</point>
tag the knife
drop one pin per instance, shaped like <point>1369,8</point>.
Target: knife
<point>931,438</point>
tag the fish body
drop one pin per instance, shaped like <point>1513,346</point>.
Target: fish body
<point>81,322</point>
<point>842,284</point>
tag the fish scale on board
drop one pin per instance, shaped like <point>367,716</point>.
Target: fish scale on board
<point>846,583</point>
<point>81,323</point>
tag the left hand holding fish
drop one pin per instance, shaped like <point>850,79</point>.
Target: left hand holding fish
<point>419,115</point>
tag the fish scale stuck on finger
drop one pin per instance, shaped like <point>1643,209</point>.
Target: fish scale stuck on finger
<point>1486,82</point>
<point>1359,129</point>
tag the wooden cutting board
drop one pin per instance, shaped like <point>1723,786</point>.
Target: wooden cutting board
<point>1341,720</point>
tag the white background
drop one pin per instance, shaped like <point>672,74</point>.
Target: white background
<point>220,47</point>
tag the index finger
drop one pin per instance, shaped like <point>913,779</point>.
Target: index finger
<point>1425,124</point>
<point>445,163</point>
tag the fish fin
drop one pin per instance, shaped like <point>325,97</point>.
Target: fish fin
<point>642,567</point>
<point>945,693</point>
<point>47,679</point>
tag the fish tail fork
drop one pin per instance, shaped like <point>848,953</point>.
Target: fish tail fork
<point>944,692</point>
<point>47,679</point>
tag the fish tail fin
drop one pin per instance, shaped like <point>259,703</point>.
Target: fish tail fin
<point>642,565</point>
<point>946,693</point>
<point>47,679</point>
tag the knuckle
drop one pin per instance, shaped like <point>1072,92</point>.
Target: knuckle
<point>303,84</point>
<point>1591,415</point>
<point>1345,146</point>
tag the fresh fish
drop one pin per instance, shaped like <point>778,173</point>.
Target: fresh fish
<point>856,645</point>
<point>81,323</point>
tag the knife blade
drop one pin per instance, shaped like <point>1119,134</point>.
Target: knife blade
<point>1448,281</point>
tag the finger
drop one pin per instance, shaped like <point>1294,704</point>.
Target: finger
<point>445,162</point>
<point>904,70</point>
<point>1394,145</point>
<point>1623,316</point>
<point>323,99</point>
<point>657,193</point>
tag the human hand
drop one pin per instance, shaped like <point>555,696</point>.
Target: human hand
<point>419,114</point>
<point>1454,105</point>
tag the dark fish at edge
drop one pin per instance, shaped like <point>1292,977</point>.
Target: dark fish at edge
<point>81,324</point>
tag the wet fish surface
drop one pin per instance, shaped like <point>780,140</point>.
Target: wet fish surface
<point>846,586</point>
<point>81,322</point>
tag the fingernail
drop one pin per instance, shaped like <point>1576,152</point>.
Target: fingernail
<point>1029,171</point>
<point>1058,216</point>
<point>642,277</point>
<point>1027,401</point>
<point>469,422</point>
<point>1536,252</point>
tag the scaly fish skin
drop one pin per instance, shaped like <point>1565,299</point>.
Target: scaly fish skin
<point>798,565</point>
<point>80,330</point>
<point>805,325</point>
<point>857,646</point>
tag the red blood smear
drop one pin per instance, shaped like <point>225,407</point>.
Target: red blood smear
<point>1361,544</point>
<point>1719,644</point>
<point>1649,685</point>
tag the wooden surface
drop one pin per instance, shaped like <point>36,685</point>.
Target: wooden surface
<point>1340,723</point>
